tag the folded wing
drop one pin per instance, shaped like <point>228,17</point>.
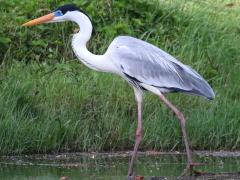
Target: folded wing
<point>146,63</point>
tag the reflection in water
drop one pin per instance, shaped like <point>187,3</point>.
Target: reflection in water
<point>104,167</point>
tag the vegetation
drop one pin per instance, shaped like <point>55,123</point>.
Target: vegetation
<point>49,102</point>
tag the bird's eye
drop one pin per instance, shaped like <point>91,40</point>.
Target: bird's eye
<point>58,13</point>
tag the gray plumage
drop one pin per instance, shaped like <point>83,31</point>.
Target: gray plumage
<point>145,66</point>
<point>141,62</point>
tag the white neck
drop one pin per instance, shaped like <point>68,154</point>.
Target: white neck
<point>80,40</point>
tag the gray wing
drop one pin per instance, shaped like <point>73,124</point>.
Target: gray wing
<point>144,63</point>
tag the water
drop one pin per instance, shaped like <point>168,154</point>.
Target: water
<point>105,167</point>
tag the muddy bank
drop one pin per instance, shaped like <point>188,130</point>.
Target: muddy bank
<point>151,165</point>
<point>121,154</point>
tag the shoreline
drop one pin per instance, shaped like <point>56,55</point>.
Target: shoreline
<point>64,155</point>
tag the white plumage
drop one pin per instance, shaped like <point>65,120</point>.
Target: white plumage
<point>143,65</point>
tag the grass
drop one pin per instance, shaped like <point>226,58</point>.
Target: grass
<point>49,102</point>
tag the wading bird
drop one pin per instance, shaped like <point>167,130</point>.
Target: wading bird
<point>144,66</point>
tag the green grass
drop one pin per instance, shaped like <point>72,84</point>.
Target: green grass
<point>49,102</point>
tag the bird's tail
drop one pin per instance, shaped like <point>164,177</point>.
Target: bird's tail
<point>200,86</point>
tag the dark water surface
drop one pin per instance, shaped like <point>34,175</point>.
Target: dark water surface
<point>105,166</point>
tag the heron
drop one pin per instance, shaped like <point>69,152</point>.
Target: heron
<point>144,66</point>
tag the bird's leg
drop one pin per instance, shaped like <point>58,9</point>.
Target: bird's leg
<point>138,138</point>
<point>182,121</point>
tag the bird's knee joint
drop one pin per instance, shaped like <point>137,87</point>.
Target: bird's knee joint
<point>181,117</point>
<point>179,114</point>
<point>139,133</point>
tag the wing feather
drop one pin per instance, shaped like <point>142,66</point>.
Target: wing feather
<point>152,66</point>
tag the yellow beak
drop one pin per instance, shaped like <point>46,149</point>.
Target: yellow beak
<point>40,20</point>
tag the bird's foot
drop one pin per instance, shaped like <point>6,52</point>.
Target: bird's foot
<point>189,170</point>
<point>131,176</point>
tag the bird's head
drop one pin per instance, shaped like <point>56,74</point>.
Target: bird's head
<point>63,13</point>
